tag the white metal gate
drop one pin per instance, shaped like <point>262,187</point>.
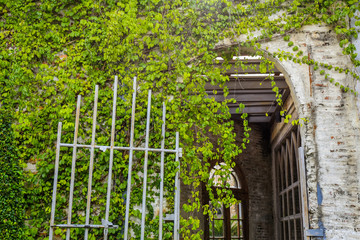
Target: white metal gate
<point>105,222</point>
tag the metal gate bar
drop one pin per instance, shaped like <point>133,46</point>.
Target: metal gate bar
<point>112,141</point>
<point>73,163</point>
<point>145,166</point>
<point>91,166</point>
<point>105,222</point>
<point>128,195</point>
<point>177,195</point>
<point>56,172</point>
<point>162,172</point>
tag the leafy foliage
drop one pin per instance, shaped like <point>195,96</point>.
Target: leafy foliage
<point>11,184</point>
<point>52,51</point>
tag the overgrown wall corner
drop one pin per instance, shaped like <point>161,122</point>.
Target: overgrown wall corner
<point>331,136</point>
<point>356,42</point>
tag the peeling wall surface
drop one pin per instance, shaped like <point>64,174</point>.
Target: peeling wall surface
<point>330,138</point>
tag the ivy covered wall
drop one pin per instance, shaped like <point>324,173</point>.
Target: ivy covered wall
<point>12,209</point>
<point>51,51</point>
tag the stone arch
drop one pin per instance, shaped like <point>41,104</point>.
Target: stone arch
<point>297,90</point>
<point>331,136</point>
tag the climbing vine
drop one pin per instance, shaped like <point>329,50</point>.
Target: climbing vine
<point>53,50</point>
<point>11,183</point>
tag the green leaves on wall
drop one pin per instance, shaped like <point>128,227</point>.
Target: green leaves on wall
<point>51,51</point>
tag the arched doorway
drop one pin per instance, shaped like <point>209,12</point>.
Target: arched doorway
<point>229,222</point>
<point>276,203</point>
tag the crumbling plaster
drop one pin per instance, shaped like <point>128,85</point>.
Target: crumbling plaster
<point>331,136</point>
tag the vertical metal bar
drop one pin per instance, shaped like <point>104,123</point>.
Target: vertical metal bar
<point>111,158</point>
<point>91,165</point>
<point>162,172</point>
<point>177,192</point>
<point>143,214</point>
<point>56,172</point>
<point>130,161</point>
<point>72,180</point>
<point>303,191</point>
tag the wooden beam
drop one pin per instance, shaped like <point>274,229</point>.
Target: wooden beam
<point>250,82</point>
<point>254,110</point>
<point>243,91</point>
<point>253,119</point>
<point>253,104</point>
<point>258,77</point>
<point>246,97</point>
<point>234,92</point>
<point>255,61</point>
<point>249,66</point>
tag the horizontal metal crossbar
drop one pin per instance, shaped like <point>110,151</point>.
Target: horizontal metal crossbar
<point>104,148</point>
<point>84,226</point>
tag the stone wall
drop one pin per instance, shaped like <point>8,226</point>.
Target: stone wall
<point>331,136</point>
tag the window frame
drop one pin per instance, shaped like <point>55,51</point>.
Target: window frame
<point>240,194</point>
<point>288,183</point>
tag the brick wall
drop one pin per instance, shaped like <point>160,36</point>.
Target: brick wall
<point>256,164</point>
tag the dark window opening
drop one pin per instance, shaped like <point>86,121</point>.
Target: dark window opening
<point>228,222</point>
